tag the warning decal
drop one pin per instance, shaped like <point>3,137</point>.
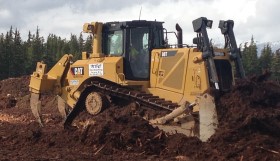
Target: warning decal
<point>95,69</point>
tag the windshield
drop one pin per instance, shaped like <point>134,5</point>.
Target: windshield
<point>115,43</point>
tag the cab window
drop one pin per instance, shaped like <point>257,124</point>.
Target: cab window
<point>138,53</point>
<point>114,44</point>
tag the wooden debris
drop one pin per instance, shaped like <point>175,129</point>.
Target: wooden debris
<point>269,150</point>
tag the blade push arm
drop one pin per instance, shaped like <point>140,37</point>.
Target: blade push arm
<point>227,30</point>
<point>199,26</point>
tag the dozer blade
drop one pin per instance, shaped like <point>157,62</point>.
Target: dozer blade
<point>35,105</point>
<point>208,120</point>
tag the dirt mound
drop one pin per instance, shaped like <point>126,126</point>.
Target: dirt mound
<point>14,91</point>
<point>249,129</point>
<point>249,123</point>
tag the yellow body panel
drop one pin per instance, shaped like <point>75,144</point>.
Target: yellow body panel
<point>176,77</point>
<point>83,71</point>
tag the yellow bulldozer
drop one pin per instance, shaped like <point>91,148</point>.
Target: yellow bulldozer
<point>133,60</point>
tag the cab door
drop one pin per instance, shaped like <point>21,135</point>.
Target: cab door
<point>137,54</point>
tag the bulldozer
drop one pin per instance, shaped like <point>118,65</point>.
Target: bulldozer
<point>133,60</point>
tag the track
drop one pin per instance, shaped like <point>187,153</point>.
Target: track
<point>121,92</point>
<point>141,97</point>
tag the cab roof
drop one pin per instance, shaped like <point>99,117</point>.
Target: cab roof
<point>134,23</point>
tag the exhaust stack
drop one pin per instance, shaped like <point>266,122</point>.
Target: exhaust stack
<point>179,35</point>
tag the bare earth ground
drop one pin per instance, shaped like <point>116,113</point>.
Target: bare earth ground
<point>249,129</point>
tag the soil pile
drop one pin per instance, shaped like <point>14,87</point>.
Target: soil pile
<point>14,91</point>
<point>249,129</point>
<point>249,123</point>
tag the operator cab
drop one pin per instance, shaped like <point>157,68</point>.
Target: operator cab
<point>134,41</point>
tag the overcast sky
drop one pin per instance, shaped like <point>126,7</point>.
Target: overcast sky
<point>63,17</point>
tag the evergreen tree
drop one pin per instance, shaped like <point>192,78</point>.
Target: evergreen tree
<point>81,43</point>
<point>28,52</point>
<point>266,58</point>
<point>18,59</point>
<point>88,44</point>
<point>275,66</point>
<point>61,48</point>
<point>2,59</point>
<point>29,39</point>
<point>65,47</point>
<point>74,47</point>
<point>37,48</point>
<point>250,58</point>
<point>8,53</point>
<point>50,50</point>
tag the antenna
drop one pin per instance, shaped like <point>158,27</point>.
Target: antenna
<point>140,13</point>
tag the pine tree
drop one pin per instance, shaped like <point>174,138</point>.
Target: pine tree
<point>88,44</point>
<point>250,58</point>
<point>65,47</point>
<point>37,48</point>
<point>8,53</point>
<point>18,63</point>
<point>81,43</point>
<point>266,58</point>
<point>2,59</point>
<point>50,50</point>
<point>28,52</point>
<point>74,47</point>
<point>275,66</point>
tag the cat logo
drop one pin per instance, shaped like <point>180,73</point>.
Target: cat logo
<point>168,53</point>
<point>77,71</point>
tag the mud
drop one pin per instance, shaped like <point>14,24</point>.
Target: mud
<point>249,129</point>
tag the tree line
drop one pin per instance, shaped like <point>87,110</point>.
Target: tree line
<point>267,61</point>
<point>18,57</point>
